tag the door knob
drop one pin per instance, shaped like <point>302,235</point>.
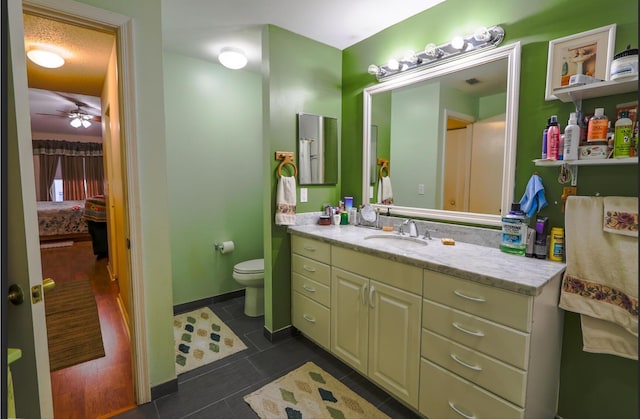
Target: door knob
<point>48,284</point>
<point>16,296</point>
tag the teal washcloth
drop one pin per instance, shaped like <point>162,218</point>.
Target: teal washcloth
<point>533,199</point>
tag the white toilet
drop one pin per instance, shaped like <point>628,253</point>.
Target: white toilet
<point>250,274</point>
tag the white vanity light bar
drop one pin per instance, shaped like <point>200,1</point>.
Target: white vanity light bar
<point>483,38</point>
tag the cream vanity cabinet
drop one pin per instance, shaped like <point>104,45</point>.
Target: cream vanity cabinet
<point>488,352</point>
<point>375,319</point>
<point>310,289</point>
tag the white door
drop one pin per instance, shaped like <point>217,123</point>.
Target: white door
<point>26,326</point>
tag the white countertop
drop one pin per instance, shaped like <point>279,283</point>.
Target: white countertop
<point>482,264</point>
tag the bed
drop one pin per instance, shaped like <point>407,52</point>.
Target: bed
<point>62,220</point>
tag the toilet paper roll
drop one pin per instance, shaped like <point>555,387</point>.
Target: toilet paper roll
<point>227,247</point>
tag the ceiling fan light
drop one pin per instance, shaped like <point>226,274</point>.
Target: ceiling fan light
<point>46,59</point>
<point>86,123</point>
<point>232,59</point>
<point>75,122</point>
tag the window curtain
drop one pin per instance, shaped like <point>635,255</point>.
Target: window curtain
<point>72,178</point>
<point>48,166</point>
<point>94,175</point>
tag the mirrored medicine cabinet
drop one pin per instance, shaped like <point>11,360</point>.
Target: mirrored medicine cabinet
<point>317,150</point>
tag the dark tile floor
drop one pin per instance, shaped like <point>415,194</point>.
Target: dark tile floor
<point>216,390</point>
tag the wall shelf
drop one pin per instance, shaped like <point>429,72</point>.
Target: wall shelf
<point>572,165</point>
<point>603,88</point>
<point>594,162</point>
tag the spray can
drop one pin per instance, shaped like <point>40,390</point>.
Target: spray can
<point>553,139</point>
<point>556,248</point>
<point>544,141</point>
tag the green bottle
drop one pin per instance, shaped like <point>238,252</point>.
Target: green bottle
<point>622,136</point>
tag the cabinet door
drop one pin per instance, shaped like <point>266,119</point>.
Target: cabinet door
<point>394,340</point>
<point>349,318</point>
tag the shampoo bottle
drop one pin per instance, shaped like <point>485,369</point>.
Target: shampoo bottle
<point>571,138</point>
<point>514,231</point>
<point>622,136</point>
<point>544,141</point>
<point>597,130</point>
<point>553,139</point>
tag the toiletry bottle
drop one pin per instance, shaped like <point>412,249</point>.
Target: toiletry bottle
<point>622,138</point>
<point>553,139</point>
<point>571,138</point>
<point>544,140</point>
<point>597,130</point>
<point>514,231</point>
<point>556,248</point>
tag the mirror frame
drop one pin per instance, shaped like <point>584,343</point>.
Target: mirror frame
<point>512,53</point>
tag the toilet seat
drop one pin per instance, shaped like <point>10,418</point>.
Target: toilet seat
<point>249,267</point>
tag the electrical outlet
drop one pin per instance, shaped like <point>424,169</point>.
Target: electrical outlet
<point>421,189</point>
<point>568,191</point>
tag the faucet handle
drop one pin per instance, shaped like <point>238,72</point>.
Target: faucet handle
<point>427,234</point>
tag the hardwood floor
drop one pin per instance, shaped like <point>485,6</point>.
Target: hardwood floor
<point>100,387</point>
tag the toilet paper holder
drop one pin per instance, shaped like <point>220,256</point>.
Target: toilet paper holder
<point>224,247</point>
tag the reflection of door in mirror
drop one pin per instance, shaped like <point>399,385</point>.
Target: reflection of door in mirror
<point>473,172</point>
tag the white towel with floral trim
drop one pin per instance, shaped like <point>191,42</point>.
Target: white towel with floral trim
<point>385,192</point>
<point>286,201</point>
<point>601,279</point>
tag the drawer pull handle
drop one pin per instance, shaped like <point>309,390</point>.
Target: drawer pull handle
<point>467,331</point>
<point>458,411</point>
<point>310,248</point>
<point>372,290</point>
<point>308,288</point>
<point>364,294</point>
<point>309,319</point>
<point>461,362</point>
<point>476,299</point>
<point>309,268</point>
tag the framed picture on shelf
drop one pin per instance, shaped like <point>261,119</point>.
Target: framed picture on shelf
<point>587,53</point>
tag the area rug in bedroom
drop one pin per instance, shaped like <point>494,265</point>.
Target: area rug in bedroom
<point>200,338</point>
<point>310,392</point>
<point>73,324</point>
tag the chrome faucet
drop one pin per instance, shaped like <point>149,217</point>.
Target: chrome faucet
<point>413,229</point>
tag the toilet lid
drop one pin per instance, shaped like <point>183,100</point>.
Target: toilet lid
<point>250,266</point>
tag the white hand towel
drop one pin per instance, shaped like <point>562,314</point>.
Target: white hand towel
<point>601,280</point>
<point>385,193</point>
<point>286,201</point>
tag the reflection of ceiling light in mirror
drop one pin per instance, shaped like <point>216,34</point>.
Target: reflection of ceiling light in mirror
<point>482,34</point>
<point>45,58</point>
<point>373,69</point>
<point>410,57</point>
<point>233,59</point>
<point>432,51</point>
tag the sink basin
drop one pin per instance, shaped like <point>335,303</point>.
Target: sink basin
<point>397,241</point>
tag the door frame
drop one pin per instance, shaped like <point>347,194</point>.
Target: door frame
<point>72,11</point>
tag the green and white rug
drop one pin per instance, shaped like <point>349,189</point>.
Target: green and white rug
<point>310,392</point>
<point>200,338</point>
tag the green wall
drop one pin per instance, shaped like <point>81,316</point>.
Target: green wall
<point>300,75</point>
<point>151,153</point>
<point>214,167</point>
<point>592,385</point>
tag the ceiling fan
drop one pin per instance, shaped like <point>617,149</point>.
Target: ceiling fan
<point>78,116</point>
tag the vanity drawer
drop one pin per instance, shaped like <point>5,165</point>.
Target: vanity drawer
<point>311,289</point>
<point>311,248</point>
<point>445,395</point>
<point>311,269</point>
<point>499,378</point>
<point>399,275</point>
<point>311,318</point>
<point>506,344</point>
<point>502,306</point>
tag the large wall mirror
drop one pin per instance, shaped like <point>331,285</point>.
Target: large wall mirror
<point>449,134</point>
<point>317,150</point>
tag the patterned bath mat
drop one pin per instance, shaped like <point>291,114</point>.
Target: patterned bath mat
<point>310,392</point>
<point>200,337</point>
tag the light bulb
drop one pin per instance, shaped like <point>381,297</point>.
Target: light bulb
<point>410,57</point>
<point>86,123</point>
<point>233,59</point>
<point>46,59</point>
<point>432,51</point>
<point>482,34</point>
<point>393,64</point>
<point>373,69</point>
<point>457,42</point>
<point>75,122</point>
